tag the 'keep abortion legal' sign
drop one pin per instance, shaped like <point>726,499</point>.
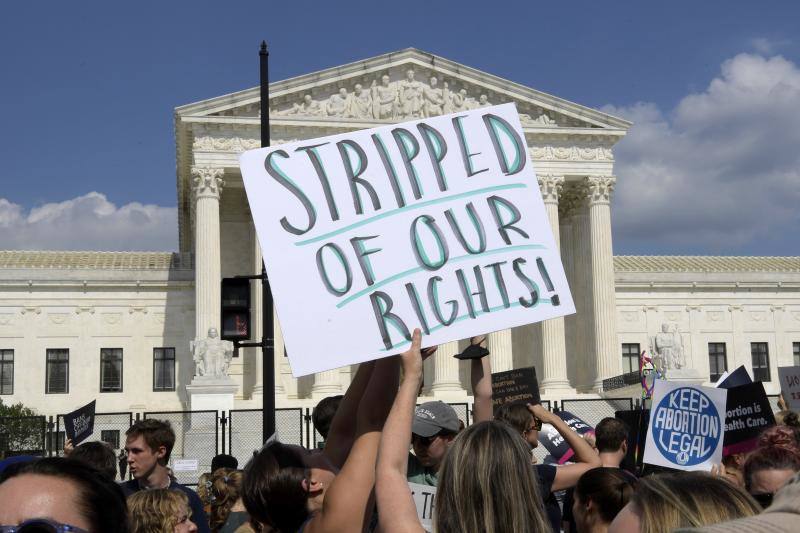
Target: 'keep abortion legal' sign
<point>435,223</point>
<point>687,426</point>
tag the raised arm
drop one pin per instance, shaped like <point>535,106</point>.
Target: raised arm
<point>348,502</point>
<point>343,426</point>
<point>396,509</point>
<point>585,457</point>
<point>481,374</point>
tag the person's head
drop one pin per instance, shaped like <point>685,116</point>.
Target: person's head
<point>283,484</point>
<point>611,436</point>
<point>780,436</point>
<point>98,455</point>
<point>600,495</point>
<point>223,460</point>
<point>148,443</point>
<point>787,418</point>
<point>486,483</point>
<point>521,420</point>
<point>434,427</point>
<point>767,469</point>
<point>410,74</point>
<point>160,511</point>
<point>64,491</point>
<point>224,491</point>
<point>323,414</point>
<point>204,488</point>
<point>665,502</point>
<point>385,79</point>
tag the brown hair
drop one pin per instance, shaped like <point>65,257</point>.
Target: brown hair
<point>157,510</point>
<point>224,493</point>
<point>610,434</point>
<point>156,433</point>
<point>609,489</point>
<point>665,502</point>
<point>487,484</point>
<point>775,457</point>
<point>515,415</point>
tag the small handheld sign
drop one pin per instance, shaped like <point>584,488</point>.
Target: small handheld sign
<point>687,426</point>
<point>748,414</point>
<point>515,386</point>
<point>79,424</point>
<point>424,496</point>
<point>790,385</point>
<point>735,378</point>
<point>555,444</point>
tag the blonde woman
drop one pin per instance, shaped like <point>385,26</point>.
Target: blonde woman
<point>662,503</point>
<point>227,513</point>
<point>486,483</point>
<point>160,511</point>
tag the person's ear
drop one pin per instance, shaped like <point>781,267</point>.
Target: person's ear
<point>310,485</point>
<point>161,452</point>
<point>624,447</point>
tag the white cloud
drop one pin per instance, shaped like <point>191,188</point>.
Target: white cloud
<point>718,174</point>
<point>88,222</point>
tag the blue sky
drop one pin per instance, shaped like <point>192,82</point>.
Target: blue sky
<point>711,166</point>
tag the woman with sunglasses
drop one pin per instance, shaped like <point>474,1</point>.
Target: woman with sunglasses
<point>57,495</point>
<point>768,469</point>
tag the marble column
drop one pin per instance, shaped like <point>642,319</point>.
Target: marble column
<point>500,348</point>
<point>607,360</point>
<point>567,238</point>
<point>207,188</point>
<point>445,370</point>
<point>553,377</point>
<point>326,384</point>
<point>584,342</point>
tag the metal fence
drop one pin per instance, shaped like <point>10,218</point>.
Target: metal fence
<point>593,411</point>
<point>23,435</point>
<point>196,442</point>
<point>245,430</point>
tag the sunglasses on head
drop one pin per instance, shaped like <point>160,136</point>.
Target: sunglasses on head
<point>41,525</point>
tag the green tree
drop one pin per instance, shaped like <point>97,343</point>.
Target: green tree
<point>21,431</point>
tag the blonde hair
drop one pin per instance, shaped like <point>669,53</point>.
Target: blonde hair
<point>157,510</point>
<point>688,499</point>
<point>487,484</point>
<point>226,485</point>
<point>204,489</point>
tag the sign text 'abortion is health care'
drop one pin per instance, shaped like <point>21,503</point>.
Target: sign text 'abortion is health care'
<point>436,223</point>
<point>687,426</point>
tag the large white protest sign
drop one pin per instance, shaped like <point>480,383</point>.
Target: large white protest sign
<point>687,426</point>
<point>790,385</point>
<point>424,496</point>
<point>435,223</point>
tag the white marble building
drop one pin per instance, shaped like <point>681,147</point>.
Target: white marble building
<point>76,326</point>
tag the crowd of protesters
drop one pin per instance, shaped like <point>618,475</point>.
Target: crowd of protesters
<point>377,440</point>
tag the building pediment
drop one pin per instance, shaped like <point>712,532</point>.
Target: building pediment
<point>399,86</point>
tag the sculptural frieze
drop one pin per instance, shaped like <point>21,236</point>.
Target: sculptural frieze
<point>212,355</point>
<point>667,347</point>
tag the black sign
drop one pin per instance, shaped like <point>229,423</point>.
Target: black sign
<point>555,444</point>
<point>748,414</point>
<point>637,421</point>
<point>735,378</point>
<point>79,424</point>
<point>515,386</point>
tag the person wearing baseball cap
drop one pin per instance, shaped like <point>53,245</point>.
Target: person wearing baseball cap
<point>434,427</point>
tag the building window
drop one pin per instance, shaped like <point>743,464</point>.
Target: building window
<point>57,371</point>
<point>163,369</point>
<point>796,353</point>
<point>111,436</point>
<point>110,369</point>
<point>630,358</point>
<point>717,360</point>
<point>6,371</point>
<point>760,355</point>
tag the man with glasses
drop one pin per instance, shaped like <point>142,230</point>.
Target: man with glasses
<point>433,430</point>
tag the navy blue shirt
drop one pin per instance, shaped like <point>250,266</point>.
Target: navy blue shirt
<point>198,515</point>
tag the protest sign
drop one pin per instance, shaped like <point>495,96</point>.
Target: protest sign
<point>555,444</point>
<point>748,413</point>
<point>185,465</point>
<point>435,223</point>
<point>790,385</point>
<point>687,424</point>
<point>515,386</point>
<point>79,424</point>
<point>735,378</point>
<point>423,495</point>
<point>637,421</point>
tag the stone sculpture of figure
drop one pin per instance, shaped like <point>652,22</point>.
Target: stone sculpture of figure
<point>211,355</point>
<point>410,95</point>
<point>456,101</point>
<point>667,346</point>
<point>308,107</point>
<point>433,104</point>
<point>543,117</point>
<point>383,98</point>
<point>483,101</point>
<point>338,104</point>
<point>360,103</point>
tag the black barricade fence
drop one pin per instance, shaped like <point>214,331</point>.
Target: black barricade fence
<point>196,442</point>
<point>594,410</point>
<point>245,428</point>
<point>23,435</point>
<point>108,427</point>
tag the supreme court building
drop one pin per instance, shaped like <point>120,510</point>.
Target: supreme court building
<point>116,326</point>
